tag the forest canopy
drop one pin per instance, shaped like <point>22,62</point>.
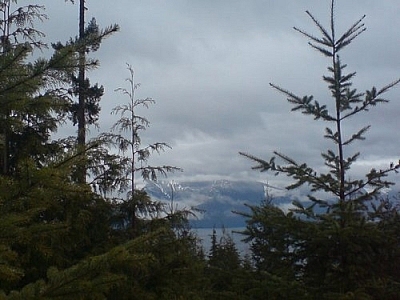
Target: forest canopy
<point>76,225</point>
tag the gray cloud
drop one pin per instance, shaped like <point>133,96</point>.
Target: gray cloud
<point>208,64</point>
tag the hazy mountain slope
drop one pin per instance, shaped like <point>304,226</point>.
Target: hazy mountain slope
<point>217,199</point>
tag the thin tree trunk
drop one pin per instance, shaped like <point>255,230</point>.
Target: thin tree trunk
<point>133,149</point>
<point>4,136</point>
<point>81,104</point>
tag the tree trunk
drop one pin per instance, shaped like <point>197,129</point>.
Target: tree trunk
<point>81,104</point>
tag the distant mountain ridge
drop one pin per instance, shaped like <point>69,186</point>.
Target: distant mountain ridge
<point>216,199</point>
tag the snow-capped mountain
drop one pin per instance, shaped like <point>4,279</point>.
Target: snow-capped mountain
<point>215,199</point>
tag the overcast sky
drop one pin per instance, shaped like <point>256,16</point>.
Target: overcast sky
<point>207,64</point>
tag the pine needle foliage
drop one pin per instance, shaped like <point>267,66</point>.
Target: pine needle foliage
<point>59,238</point>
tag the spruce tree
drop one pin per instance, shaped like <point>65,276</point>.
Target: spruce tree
<point>336,253</point>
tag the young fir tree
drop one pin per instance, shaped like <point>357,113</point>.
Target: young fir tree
<point>345,252</point>
<point>128,140</point>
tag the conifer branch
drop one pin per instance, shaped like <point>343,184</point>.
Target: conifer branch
<point>371,99</point>
<point>355,30</point>
<point>326,40</point>
<point>306,105</point>
<point>357,136</point>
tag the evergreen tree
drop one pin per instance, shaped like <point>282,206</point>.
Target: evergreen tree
<point>86,110</point>
<point>176,269</point>
<point>227,277</point>
<point>174,272</point>
<point>80,81</point>
<point>336,254</point>
<point>46,220</point>
<point>137,202</point>
<point>223,253</point>
<point>18,38</point>
<point>230,276</point>
<point>93,277</point>
<point>58,237</point>
<point>49,222</point>
<point>16,25</point>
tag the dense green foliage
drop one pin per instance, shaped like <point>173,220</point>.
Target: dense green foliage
<point>61,238</point>
<point>103,238</point>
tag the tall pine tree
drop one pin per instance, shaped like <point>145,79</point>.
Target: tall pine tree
<point>85,111</point>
